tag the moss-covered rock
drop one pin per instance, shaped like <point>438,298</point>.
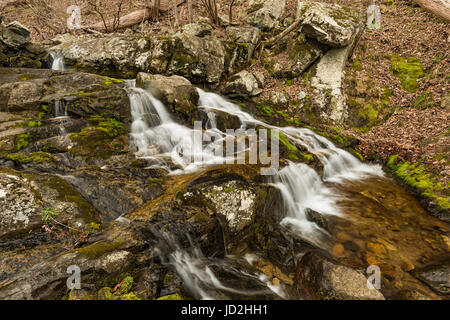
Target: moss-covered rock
<point>425,183</point>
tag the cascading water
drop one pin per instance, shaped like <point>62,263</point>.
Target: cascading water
<point>156,135</point>
<point>198,276</point>
<point>57,61</point>
<point>58,64</point>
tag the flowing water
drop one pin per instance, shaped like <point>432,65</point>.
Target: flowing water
<point>60,111</point>
<point>366,210</point>
<point>57,61</point>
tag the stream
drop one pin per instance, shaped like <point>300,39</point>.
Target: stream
<point>369,219</point>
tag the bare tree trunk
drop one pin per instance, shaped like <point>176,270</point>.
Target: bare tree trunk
<point>441,8</point>
<point>190,11</point>
<point>134,17</point>
<point>175,11</point>
<point>231,11</point>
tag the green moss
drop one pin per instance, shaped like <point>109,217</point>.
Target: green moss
<point>154,180</point>
<point>110,81</point>
<point>98,249</point>
<point>175,296</point>
<point>266,110</point>
<point>23,140</point>
<point>285,141</point>
<point>128,296</point>
<point>408,70</point>
<point>200,217</point>
<point>36,157</point>
<point>424,101</point>
<point>126,285</point>
<point>443,202</point>
<point>94,226</point>
<point>308,157</point>
<point>33,124</point>
<point>168,279</point>
<point>417,176</point>
<point>95,141</point>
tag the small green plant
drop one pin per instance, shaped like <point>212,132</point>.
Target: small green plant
<point>49,215</point>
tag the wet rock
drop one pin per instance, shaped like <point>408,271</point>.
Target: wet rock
<point>47,279</point>
<point>236,205</point>
<point>318,218</point>
<point>265,14</point>
<point>323,279</point>
<point>437,277</point>
<point>242,84</point>
<point>113,193</point>
<point>330,24</point>
<point>176,92</point>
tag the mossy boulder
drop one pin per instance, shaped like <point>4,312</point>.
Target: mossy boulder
<point>330,24</point>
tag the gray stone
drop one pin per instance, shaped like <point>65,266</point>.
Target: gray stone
<point>265,14</point>
<point>15,35</point>
<point>331,24</point>
<point>278,98</point>
<point>242,84</point>
<point>326,280</point>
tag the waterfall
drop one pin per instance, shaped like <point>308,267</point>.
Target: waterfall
<point>60,107</point>
<point>198,276</point>
<point>157,135</point>
<point>57,61</point>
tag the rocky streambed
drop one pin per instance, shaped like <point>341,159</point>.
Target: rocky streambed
<point>88,178</point>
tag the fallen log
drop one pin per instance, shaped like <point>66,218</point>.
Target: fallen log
<point>440,8</point>
<point>134,17</point>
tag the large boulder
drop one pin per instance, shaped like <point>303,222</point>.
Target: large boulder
<point>301,54</point>
<point>330,24</point>
<point>265,14</point>
<point>197,55</point>
<point>247,38</point>
<point>16,50</point>
<point>26,199</point>
<point>15,35</point>
<point>323,279</point>
<point>242,84</point>
<point>112,55</point>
